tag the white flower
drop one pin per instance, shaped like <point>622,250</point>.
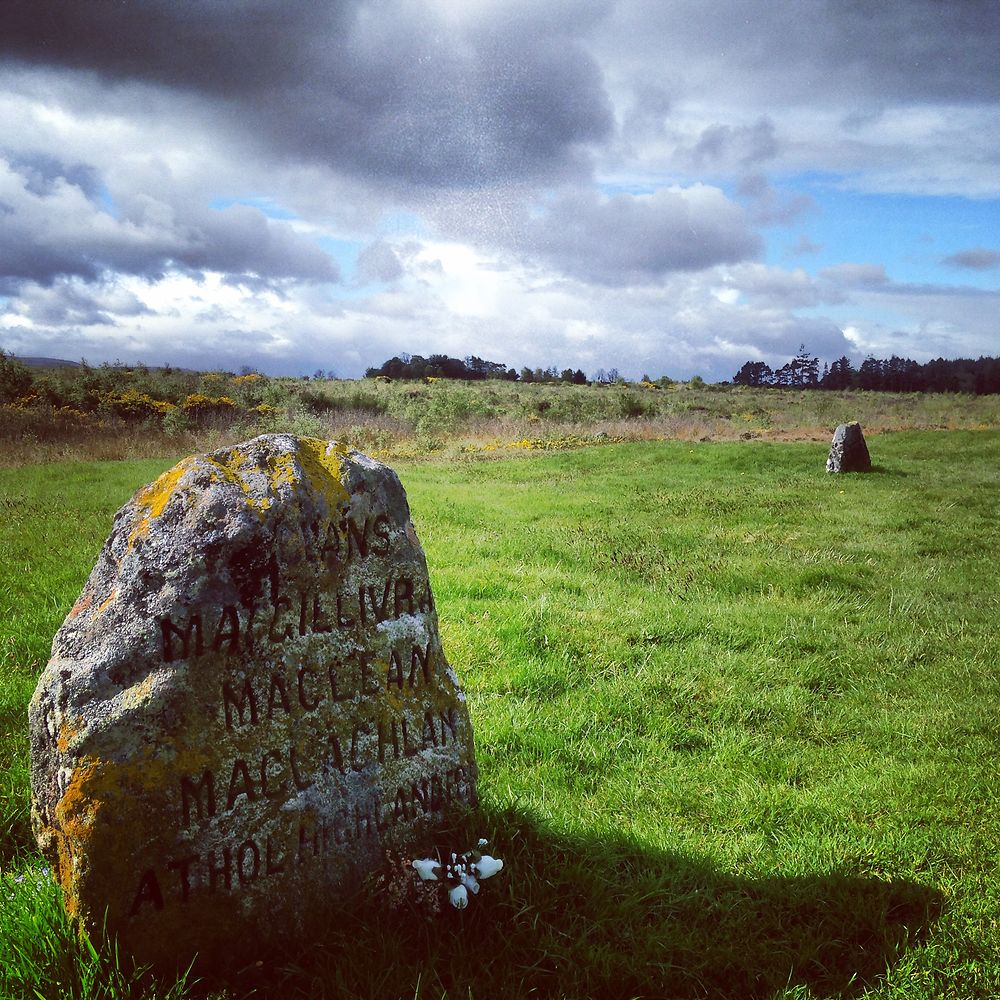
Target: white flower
<point>425,868</point>
<point>483,841</point>
<point>459,897</point>
<point>486,867</point>
<point>470,883</point>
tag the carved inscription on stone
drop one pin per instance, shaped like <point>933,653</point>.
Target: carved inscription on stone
<point>248,702</point>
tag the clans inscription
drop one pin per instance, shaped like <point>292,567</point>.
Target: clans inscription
<point>248,702</point>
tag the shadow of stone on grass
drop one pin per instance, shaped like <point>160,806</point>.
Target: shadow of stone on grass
<point>883,470</point>
<point>576,916</point>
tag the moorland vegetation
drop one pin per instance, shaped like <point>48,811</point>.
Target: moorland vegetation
<point>116,411</point>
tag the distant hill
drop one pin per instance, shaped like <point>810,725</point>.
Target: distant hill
<point>48,363</point>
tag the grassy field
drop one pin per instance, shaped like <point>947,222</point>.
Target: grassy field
<point>737,724</point>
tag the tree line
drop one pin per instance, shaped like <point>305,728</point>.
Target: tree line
<point>980,376</point>
<point>415,366</point>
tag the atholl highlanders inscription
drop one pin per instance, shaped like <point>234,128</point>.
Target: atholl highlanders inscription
<point>248,702</point>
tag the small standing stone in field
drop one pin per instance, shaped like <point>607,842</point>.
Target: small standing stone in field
<point>848,451</point>
<point>247,706</point>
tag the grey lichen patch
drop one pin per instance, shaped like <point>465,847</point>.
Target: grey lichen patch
<point>247,704</point>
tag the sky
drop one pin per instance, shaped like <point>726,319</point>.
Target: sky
<point>658,186</point>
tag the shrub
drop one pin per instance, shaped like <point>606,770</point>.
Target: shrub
<point>631,404</point>
<point>132,406</point>
<point>15,378</point>
<point>200,406</point>
<point>249,390</point>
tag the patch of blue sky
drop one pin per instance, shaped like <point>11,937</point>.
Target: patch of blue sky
<point>635,187</point>
<point>345,253</point>
<point>264,204</point>
<point>911,235</point>
<point>107,201</point>
<point>400,223</point>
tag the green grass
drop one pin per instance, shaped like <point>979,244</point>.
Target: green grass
<point>737,722</point>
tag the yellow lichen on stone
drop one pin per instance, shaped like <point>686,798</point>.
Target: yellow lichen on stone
<point>152,500</point>
<point>155,497</point>
<point>104,604</point>
<point>232,470</point>
<point>68,731</point>
<point>126,790</point>
<point>321,461</point>
<point>282,470</point>
<point>74,823</point>
<point>138,694</point>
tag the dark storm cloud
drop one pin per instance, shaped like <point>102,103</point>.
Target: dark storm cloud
<point>387,91</point>
<point>824,51</point>
<point>979,259</point>
<point>626,239</point>
<point>52,228</point>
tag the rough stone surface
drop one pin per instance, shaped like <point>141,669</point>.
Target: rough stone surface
<point>848,451</point>
<point>247,704</point>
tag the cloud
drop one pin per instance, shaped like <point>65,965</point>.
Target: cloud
<point>378,262</point>
<point>917,320</point>
<point>54,225</point>
<point>628,239</point>
<point>830,51</point>
<point>771,207</point>
<point>744,144</point>
<point>979,259</point>
<point>449,299</point>
<point>775,288</point>
<point>897,97</point>
<point>856,275</point>
<point>804,245</point>
<point>395,91</point>
<point>74,303</point>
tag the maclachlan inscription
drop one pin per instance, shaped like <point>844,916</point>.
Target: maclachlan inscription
<point>248,703</point>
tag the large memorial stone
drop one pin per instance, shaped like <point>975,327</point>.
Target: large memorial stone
<point>248,703</point>
<point>848,451</point>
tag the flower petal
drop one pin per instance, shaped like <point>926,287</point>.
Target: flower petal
<point>425,868</point>
<point>487,867</point>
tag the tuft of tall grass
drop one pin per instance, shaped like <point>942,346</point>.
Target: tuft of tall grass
<point>43,958</point>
